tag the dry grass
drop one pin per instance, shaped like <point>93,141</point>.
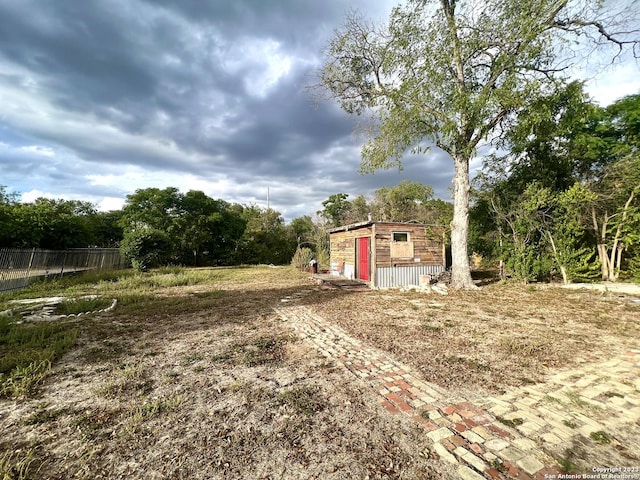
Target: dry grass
<point>200,379</point>
<point>193,376</point>
<point>487,340</point>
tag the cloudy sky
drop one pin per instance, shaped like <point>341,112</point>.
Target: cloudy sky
<point>102,97</point>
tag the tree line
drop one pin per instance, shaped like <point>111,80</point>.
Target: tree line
<point>164,226</point>
<point>564,198</point>
<point>155,227</point>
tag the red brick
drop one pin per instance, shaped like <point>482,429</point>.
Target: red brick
<point>402,384</point>
<point>404,406</point>
<point>493,473</point>
<point>425,423</point>
<point>460,427</point>
<point>459,441</point>
<point>393,397</point>
<point>469,423</point>
<point>499,431</point>
<point>469,407</point>
<point>512,470</point>
<point>390,407</point>
<point>548,472</point>
<point>448,410</point>
<point>407,394</point>
<point>477,448</point>
<point>448,445</point>
<point>482,419</point>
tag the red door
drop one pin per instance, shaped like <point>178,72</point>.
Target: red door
<point>363,258</point>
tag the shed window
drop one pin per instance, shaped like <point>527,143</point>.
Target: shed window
<point>400,236</point>
<point>401,247</point>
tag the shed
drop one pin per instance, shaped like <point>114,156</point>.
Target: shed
<point>387,254</point>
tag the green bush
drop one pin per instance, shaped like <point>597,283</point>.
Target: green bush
<point>146,248</point>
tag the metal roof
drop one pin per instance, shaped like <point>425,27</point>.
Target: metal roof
<point>355,226</point>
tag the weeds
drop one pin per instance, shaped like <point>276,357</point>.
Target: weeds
<point>82,305</point>
<point>92,423</point>
<point>23,344</point>
<point>576,400</point>
<point>510,422</point>
<point>44,415</point>
<point>600,437</point>
<point>613,394</point>
<point>17,466</point>
<point>24,381</point>
<point>566,464</point>
<point>149,410</point>
<point>259,351</point>
<point>305,400</point>
<point>431,328</point>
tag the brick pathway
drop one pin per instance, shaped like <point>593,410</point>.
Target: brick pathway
<point>502,436</point>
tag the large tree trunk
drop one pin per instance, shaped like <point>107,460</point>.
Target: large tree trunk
<point>460,270</point>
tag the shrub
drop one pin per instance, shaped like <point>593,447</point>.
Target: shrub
<point>146,248</point>
<point>302,257</point>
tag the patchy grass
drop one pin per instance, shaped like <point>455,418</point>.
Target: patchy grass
<point>139,394</point>
<point>195,375</point>
<point>600,437</point>
<point>305,400</point>
<point>26,353</point>
<point>488,340</point>
<point>74,306</point>
<point>262,350</point>
<point>17,465</point>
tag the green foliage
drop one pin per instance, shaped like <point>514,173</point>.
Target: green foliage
<point>55,224</point>
<point>565,187</point>
<point>406,202</point>
<point>304,400</point>
<point>81,305</point>
<point>335,208</point>
<point>265,240</point>
<point>146,248</point>
<point>22,344</point>
<point>17,465</point>
<point>451,74</point>
<point>24,381</point>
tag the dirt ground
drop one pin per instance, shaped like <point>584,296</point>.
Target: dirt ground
<point>481,342</point>
<point>206,381</point>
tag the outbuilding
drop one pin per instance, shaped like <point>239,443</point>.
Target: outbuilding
<point>387,254</point>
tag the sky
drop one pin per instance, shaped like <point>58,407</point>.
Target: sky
<point>103,97</point>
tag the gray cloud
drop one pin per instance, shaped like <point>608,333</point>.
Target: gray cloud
<point>104,97</point>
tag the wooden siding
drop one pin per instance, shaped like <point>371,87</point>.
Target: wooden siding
<point>343,247</point>
<point>427,245</point>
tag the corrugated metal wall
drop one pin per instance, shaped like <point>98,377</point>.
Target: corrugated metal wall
<point>388,277</point>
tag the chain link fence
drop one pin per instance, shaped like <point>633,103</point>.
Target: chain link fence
<point>19,266</point>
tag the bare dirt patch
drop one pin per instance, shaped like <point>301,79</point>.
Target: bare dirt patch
<point>203,380</point>
<point>485,341</point>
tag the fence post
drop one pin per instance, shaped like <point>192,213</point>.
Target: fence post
<point>33,254</point>
<point>64,260</point>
